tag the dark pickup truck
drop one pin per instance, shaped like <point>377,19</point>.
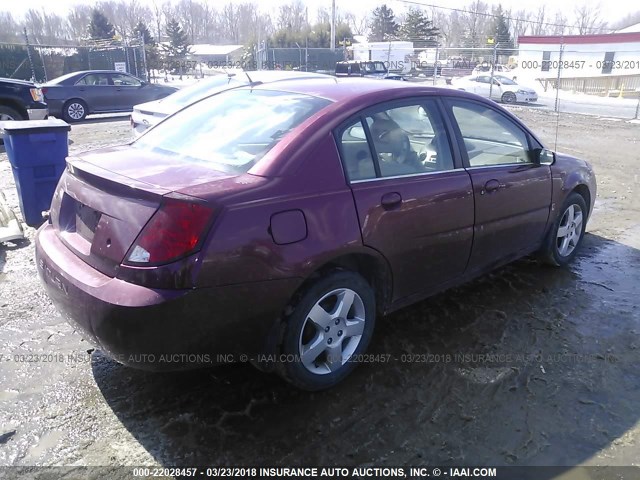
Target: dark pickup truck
<point>21,100</point>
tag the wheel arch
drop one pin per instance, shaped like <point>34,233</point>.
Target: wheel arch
<point>14,104</point>
<point>583,190</point>
<point>373,267</point>
<point>370,264</point>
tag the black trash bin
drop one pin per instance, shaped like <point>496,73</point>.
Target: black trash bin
<point>37,151</point>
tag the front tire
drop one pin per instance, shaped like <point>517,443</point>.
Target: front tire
<point>565,236</point>
<point>330,325</point>
<point>509,97</point>
<point>74,111</point>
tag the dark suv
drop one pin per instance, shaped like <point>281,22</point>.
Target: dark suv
<point>21,100</point>
<point>371,69</point>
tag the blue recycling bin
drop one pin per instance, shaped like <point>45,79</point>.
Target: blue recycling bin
<point>37,151</point>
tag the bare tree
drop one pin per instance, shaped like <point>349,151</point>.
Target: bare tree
<point>520,24</point>
<point>359,24</point>
<point>588,20</point>
<point>475,22</point>
<point>560,25</point>
<point>539,21</point>
<point>292,17</point>
<point>78,21</point>
<point>9,28</point>
<point>158,18</point>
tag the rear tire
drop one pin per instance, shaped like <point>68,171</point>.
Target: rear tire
<point>8,113</point>
<point>565,237</point>
<point>329,327</point>
<point>74,110</point>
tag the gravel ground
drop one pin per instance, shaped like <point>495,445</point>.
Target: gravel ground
<point>565,390</point>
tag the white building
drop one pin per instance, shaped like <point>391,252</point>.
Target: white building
<point>582,55</point>
<point>599,63</point>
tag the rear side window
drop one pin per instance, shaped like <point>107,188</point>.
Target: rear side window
<point>356,155</point>
<point>233,130</point>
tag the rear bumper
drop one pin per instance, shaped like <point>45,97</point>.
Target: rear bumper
<point>157,329</point>
<point>37,113</point>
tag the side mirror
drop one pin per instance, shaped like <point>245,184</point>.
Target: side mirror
<point>542,156</point>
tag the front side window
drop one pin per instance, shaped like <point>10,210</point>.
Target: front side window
<point>233,130</point>
<point>489,137</point>
<point>125,81</point>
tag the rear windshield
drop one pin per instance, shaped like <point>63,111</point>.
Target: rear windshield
<point>203,88</point>
<point>233,130</point>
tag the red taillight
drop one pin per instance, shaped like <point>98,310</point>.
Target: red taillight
<point>174,231</point>
<point>44,90</point>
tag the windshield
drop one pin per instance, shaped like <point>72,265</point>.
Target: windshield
<point>231,131</point>
<point>202,89</point>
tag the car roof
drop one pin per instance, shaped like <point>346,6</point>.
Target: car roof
<point>67,76</point>
<point>339,89</point>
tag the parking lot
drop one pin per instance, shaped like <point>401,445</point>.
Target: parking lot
<point>530,365</point>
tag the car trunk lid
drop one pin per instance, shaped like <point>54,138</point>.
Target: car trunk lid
<point>105,198</point>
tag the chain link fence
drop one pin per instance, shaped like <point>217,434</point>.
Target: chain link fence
<point>41,63</point>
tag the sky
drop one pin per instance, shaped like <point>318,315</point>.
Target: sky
<point>610,15</point>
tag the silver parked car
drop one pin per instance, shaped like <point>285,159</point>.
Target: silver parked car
<point>504,89</point>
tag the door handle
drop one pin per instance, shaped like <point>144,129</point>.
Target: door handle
<point>391,200</point>
<point>492,186</point>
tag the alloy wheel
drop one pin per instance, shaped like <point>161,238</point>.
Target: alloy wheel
<point>569,230</point>
<point>332,331</point>
<point>75,111</point>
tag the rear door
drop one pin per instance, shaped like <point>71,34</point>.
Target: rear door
<point>413,204</point>
<point>512,193</point>
<point>95,89</point>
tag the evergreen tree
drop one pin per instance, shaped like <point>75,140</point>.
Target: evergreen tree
<point>178,46</point>
<point>99,27</point>
<point>152,56</point>
<point>383,25</point>
<point>501,33</point>
<point>417,28</point>
<point>142,31</point>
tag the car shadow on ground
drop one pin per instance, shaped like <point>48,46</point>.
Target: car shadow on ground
<point>556,384</point>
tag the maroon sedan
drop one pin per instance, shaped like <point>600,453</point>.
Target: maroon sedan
<point>277,221</point>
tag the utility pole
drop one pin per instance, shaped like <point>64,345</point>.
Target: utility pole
<point>333,25</point>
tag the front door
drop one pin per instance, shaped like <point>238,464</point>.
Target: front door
<point>512,193</point>
<point>413,205</point>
